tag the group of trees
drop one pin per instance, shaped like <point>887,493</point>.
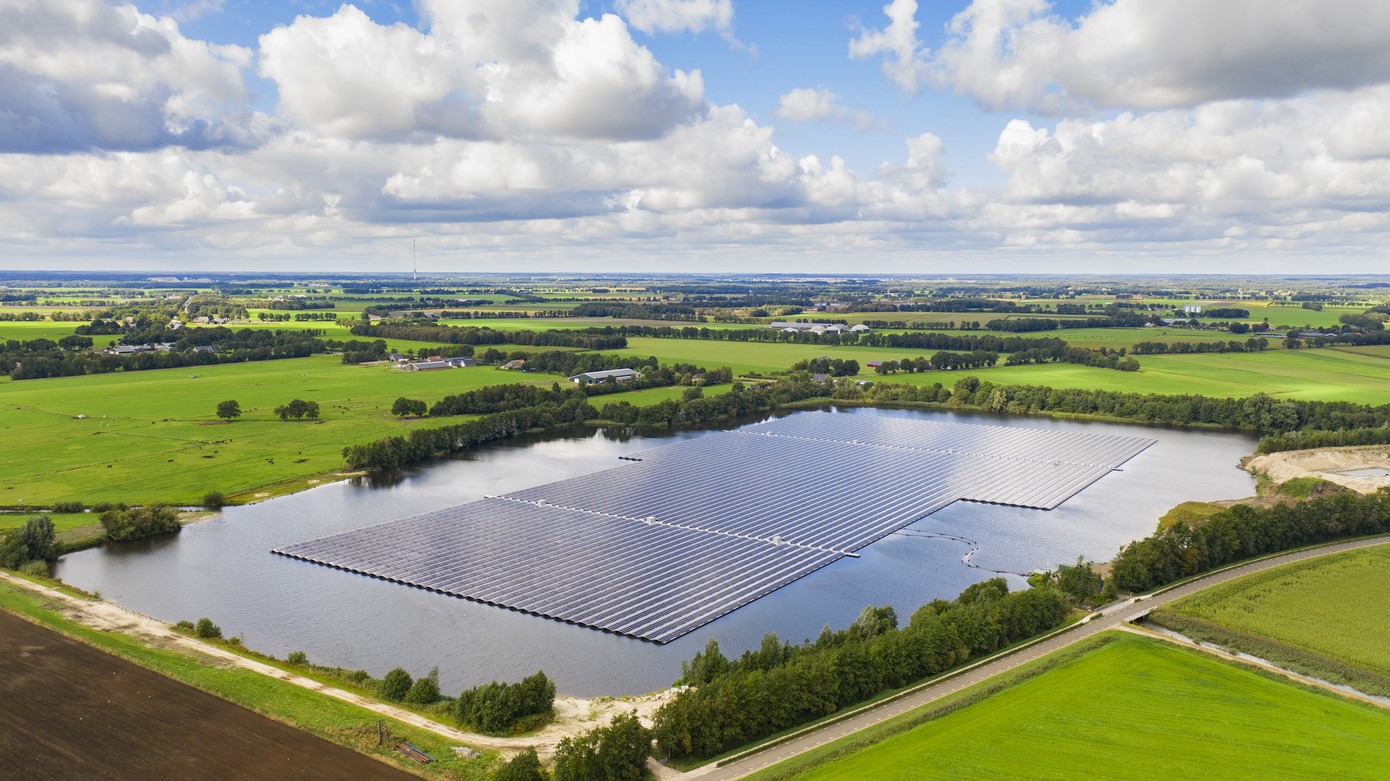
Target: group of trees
<point>941,361</point>
<point>398,686</point>
<point>1242,532</point>
<point>408,408</point>
<point>421,444</point>
<point>123,523</point>
<point>731,702</point>
<point>298,409</point>
<point>1305,439</point>
<point>502,708</point>
<point>1103,358</point>
<point>34,541</point>
<point>835,367</point>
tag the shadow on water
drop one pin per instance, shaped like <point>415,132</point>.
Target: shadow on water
<point>222,567</point>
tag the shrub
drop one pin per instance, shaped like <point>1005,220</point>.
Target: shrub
<point>214,500</point>
<point>101,507</point>
<point>186,626</point>
<point>68,507</point>
<point>206,629</point>
<point>396,685</point>
<point>424,691</point>
<point>35,569</point>
<point>298,658</point>
<point>525,766</point>
<point>122,524</point>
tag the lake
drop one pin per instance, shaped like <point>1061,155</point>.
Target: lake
<point>223,569</point>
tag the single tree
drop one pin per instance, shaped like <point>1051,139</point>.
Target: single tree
<point>229,409</point>
<point>206,629</point>
<point>396,685</point>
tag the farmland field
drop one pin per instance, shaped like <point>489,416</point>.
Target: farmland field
<point>1133,708</point>
<point>25,330</point>
<point>104,717</point>
<point>1336,607</point>
<point>1320,375</point>
<point>152,435</point>
<point>758,357</point>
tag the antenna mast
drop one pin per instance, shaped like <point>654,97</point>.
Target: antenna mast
<point>413,268</point>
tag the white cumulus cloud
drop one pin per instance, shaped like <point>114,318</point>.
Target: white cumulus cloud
<point>1153,55</point>
<point>490,69</point>
<point>81,74</point>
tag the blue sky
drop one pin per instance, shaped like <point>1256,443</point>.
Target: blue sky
<point>964,136</point>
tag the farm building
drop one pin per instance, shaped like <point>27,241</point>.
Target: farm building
<point>426,366</point>
<point>611,375</point>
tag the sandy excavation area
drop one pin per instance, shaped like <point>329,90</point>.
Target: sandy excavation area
<point>1364,469</point>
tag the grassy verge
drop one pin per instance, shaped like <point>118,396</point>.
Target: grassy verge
<point>1121,706</point>
<point>859,741</point>
<point>326,717</point>
<point>1324,617</point>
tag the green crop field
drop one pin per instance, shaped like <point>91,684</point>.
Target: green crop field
<point>153,436</point>
<point>756,357</point>
<point>23,330</point>
<point>1322,375</point>
<point>1337,607</point>
<point>1133,708</point>
<point>574,323</point>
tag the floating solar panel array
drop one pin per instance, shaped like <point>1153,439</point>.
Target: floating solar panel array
<point>680,535</point>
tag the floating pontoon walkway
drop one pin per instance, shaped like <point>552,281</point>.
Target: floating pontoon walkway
<point>680,535</point>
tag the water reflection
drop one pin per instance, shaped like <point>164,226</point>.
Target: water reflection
<point>222,568</point>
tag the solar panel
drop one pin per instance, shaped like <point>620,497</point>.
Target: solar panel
<point>677,536</point>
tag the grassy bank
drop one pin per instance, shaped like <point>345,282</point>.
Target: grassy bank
<point>1129,707</point>
<point>1325,617</point>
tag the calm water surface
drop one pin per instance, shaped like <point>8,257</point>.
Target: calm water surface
<point>223,568</point>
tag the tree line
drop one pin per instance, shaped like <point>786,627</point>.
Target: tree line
<point>1306,439</point>
<point>502,708</point>
<point>1253,344</point>
<point>729,703</point>
<point>448,334</point>
<point>40,358</point>
<point>1243,532</point>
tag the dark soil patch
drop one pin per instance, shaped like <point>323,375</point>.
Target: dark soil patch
<point>69,711</point>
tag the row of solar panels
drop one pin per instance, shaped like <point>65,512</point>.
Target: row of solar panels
<point>652,582</point>
<point>1072,446</point>
<point>657,547</point>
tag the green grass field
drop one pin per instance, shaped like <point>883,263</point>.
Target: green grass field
<point>757,357</point>
<point>1133,708</point>
<point>153,436</point>
<point>1320,375</point>
<point>21,330</point>
<point>1337,607</point>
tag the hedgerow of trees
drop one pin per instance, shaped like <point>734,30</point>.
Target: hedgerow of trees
<point>731,702</point>
<point>34,541</point>
<point>502,708</point>
<point>1243,532</point>
<point>133,524</point>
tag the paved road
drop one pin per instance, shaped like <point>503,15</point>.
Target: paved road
<point>1110,617</point>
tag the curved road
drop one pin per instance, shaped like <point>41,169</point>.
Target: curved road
<point>1107,618</point>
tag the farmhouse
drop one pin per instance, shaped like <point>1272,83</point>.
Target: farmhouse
<point>611,375</point>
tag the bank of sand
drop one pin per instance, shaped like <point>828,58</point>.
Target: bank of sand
<point>1330,464</point>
